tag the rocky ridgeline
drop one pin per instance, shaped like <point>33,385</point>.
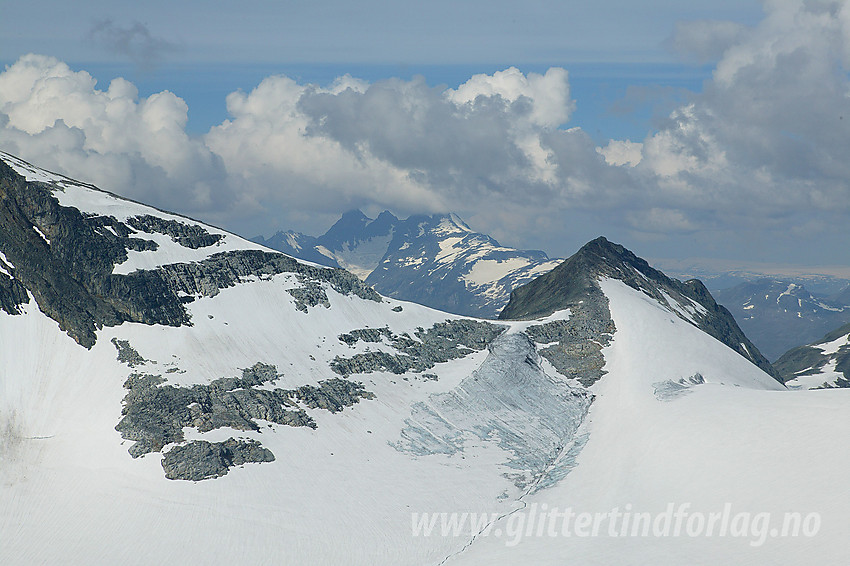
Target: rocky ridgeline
<point>69,271</point>
<point>225,269</point>
<point>187,235</point>
<point>442,342</point>
<point>575,285</point>
<point>155,414</point>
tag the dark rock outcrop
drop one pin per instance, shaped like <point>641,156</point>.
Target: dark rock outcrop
<point>226,269</point>
<point>127,354</point>
<point>574,346</point>
<point>200,460</point>
<point>71,277</point>
<point>442,342</point>
<point>187,235</point>
<point>154,414</point>
<point>65,260</point>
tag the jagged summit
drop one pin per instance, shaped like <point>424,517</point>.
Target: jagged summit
<point>354,227</point>
<point>436,260</point>
<point>575,284</point>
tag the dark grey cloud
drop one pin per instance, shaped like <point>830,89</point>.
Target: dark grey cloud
<point>136,42</point>
<point>416,127</point>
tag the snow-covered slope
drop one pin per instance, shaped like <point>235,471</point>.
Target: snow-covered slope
<point>726,457</point>
<point>823,364</point>
<point>288,392</point>
<point>437,261</point>
<point>217,402</point>
<point>440,262</point>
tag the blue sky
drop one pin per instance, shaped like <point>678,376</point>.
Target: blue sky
<point>682,129</point>
<point>202,51</point>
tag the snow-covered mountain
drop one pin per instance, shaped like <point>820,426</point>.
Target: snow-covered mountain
<point>823,364</point>
<point>437,261</point>
<point>355,242</point>
<point>572,285</point>
<point>172,393</point>
<point>780,315</point>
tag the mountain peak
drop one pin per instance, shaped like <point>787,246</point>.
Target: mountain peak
<point>354,214</point>
<point>575,284</point>
<point>576,277</point>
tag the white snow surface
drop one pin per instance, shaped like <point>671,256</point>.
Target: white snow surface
<point>337,494</point>
<point>342,494</point>
<point>738,439</point>
<point>362,258</point>
<point>829,348</point>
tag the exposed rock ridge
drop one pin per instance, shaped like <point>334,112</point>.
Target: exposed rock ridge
<point>65,260</point>
<point>187,235</point>
<point>442,342</point>
<point>577,278</point>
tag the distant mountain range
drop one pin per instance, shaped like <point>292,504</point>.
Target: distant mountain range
<point>779,315</point>
<point>437,261</point>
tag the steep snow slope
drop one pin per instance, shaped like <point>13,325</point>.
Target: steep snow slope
<point>293,389</point>
<point>735,439</point>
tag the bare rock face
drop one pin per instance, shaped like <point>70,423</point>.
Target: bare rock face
<point>187,235</point>
<point>65,260</point>
<point>574,346</point>
<point>442,342</point>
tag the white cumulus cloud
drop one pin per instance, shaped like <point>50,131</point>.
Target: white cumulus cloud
<point>761,148</point>
<point>59,119</point>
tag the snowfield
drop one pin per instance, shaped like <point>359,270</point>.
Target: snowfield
<point>737,440</point>
<point>678,419</point>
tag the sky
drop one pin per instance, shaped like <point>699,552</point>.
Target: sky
<point>682,129</point>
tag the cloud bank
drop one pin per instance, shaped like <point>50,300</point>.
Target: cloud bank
<point>762,148</point>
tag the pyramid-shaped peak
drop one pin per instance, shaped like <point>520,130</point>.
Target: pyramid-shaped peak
<point>576,282</point>
<point>573,280</point>
<point>350,223</point>
<point>352,216</point>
